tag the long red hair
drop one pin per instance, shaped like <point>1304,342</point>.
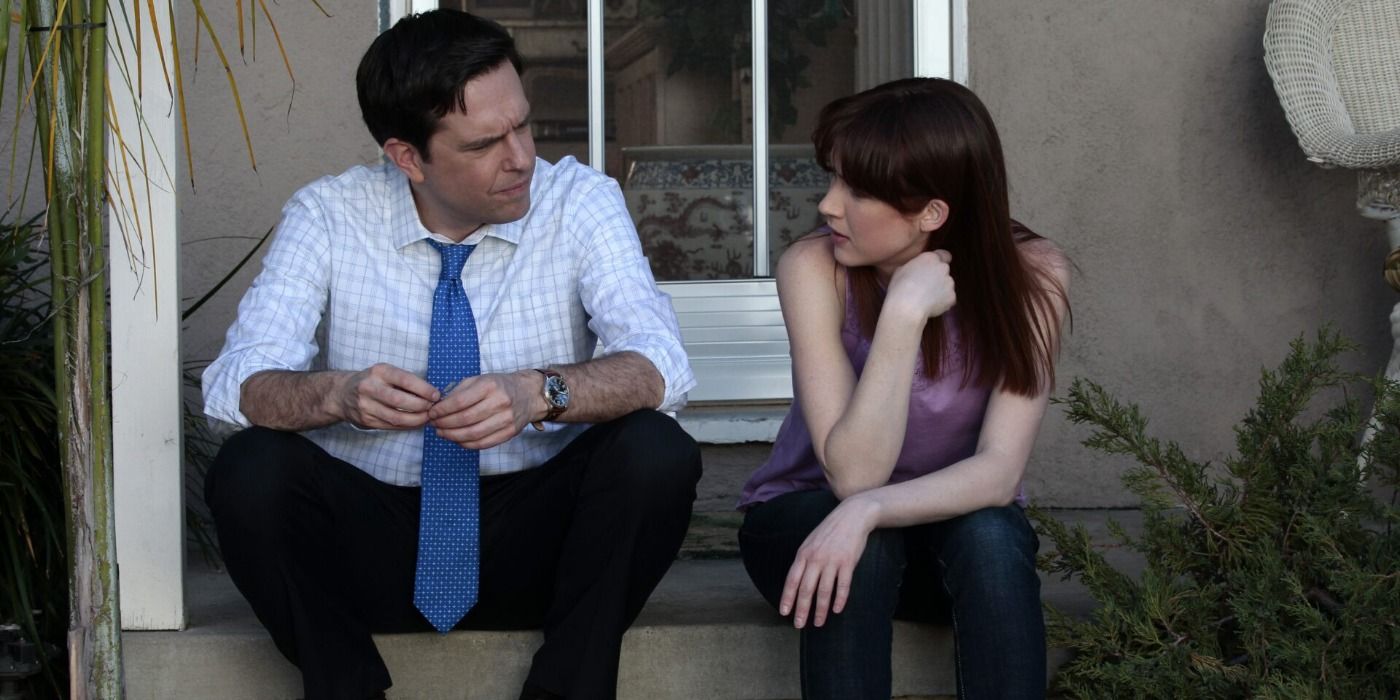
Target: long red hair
<point>911,141</point>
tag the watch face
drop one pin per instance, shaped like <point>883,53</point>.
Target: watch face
<point>556,392</point>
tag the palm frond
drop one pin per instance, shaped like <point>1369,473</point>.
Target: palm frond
<point>54,408</point>
<point>232,83</point>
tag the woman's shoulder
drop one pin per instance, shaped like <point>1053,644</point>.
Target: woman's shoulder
<point>1041,249</point>
<point>808,266</point>
<point>815,246</point>
<point>808,257</point>
<point>1045,256</point>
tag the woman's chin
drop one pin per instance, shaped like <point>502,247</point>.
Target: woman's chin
<point>841,250</point>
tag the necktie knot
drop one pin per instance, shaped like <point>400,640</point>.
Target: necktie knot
<point>453,258</point>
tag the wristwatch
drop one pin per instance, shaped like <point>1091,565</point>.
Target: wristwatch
<point>556,395</point>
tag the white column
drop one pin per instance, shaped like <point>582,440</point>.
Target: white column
<point>597,127</point>
<point>933,31</point>
<point>398,9</point>
<point>759,59</point>
<point>959,40</point>
<point>144,254</point>
<point>883,42</point>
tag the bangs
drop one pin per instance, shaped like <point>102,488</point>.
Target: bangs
<point>867,144</point>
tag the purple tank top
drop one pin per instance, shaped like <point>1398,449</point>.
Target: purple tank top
<point>945,419</point>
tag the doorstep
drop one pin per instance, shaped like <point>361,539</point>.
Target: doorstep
<point>705,633</point>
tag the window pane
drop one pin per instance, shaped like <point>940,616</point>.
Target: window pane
<point>552,38</point>
<point>678,109</point>
<point>820,50</point>
<point>677,90</point>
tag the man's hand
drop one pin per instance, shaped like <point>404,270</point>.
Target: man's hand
<point>385,397</point>
<point>486,410</point>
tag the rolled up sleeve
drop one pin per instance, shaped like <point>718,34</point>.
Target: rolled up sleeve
<point>278,316</point>
<point>627,310</point>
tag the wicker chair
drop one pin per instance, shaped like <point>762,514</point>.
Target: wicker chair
<point>1336,69</point>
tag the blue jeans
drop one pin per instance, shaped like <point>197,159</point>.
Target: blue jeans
<point>976,571</point>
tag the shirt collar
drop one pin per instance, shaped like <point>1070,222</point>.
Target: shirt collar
<point>407,228</point>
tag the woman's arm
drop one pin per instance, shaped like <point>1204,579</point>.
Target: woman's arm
<point>991,475</point>
<point>857,427</point>
<point>821,573</point>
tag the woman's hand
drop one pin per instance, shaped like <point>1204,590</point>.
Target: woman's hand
<point>924,285</point>
<point>820,577</point>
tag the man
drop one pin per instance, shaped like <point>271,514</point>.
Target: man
<point>352,503</point>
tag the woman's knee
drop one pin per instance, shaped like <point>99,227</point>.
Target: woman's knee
<point>789,517</point>
<point>773,531</point>
<point>876,579</point>
<point>989,547</point>
<point>999,529</point>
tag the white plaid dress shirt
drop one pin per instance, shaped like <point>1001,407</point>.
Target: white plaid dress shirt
<point>351,254</point>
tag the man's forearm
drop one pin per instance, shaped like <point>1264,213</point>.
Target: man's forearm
<point>285,400</point>
<point>608,387</point>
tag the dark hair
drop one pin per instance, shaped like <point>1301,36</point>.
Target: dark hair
<point>413,74</point>
<point>911,141</point>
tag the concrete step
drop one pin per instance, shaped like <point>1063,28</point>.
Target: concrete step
<point>727,468</point>
<point>705,633</point>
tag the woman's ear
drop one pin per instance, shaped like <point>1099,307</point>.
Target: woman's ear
<point>405,156</point>
<point>933,215</point>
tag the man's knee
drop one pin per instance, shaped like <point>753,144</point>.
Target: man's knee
<point>253,472</point>
<point>651,454</point>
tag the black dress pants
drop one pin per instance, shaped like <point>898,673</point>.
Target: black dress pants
<point>325,553</point>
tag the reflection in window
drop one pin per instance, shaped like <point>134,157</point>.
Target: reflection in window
<point>679,109</point>
<point>552,38</point>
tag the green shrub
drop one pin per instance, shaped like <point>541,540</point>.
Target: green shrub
<point>1273,575</point>
<point>33,513</point>
<point>33,540</point>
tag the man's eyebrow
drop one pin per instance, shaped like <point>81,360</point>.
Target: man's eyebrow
<point>488,140</point>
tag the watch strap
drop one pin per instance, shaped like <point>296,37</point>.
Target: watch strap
<point>554,410</point>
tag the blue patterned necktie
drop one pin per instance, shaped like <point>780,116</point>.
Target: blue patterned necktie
<point>447,576</point>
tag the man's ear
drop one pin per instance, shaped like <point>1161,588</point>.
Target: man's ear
<point>406,157</point>
<point>933,215</point>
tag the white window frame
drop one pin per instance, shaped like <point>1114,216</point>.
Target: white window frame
<point>733,329</point>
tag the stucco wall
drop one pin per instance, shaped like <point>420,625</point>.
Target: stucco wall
<point>1142,136</point>
<point>21,177</point>
<point>1145,137</point>
<point>298,135</point>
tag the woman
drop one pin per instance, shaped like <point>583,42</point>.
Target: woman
<point>924,324</point>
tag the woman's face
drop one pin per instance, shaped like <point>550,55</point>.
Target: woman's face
<point>867,231</point>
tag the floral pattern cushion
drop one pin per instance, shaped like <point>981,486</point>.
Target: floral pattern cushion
<point>693,207</point>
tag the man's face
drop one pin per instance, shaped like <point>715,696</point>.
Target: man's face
<point>480,163</point>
